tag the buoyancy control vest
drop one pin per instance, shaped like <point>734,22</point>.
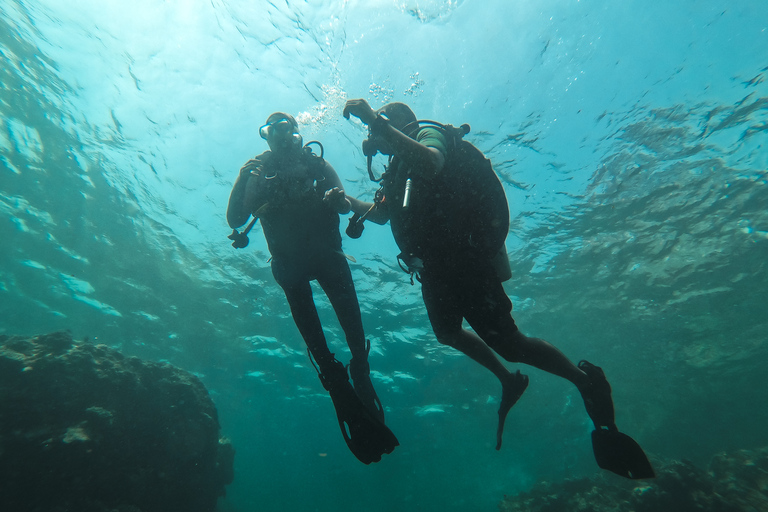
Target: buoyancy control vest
<point>296,222</point>
<point>462,210</point>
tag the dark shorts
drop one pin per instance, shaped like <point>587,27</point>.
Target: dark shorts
<point>469,290</point>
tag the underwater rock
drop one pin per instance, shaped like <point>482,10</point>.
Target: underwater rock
<point>735,482</point>
<point>84,428</point>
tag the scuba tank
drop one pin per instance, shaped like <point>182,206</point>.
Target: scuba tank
<point>463,209</point>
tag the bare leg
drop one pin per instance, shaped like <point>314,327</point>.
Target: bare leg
<point>471,345</point>
<point>542,355</point>
<point>450,298</point>
<point>513,385</point>
<point>588,379</point>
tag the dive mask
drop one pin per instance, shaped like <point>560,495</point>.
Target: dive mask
<point>281,126</point>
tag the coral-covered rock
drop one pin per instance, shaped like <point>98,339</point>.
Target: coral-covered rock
<point>734,483</point>
<point>742,477</point>
<point>83,428</point>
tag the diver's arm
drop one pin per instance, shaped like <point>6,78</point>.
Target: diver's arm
<point>331,178</point>
<point>237,214</point>
<point>334,192</point>
<point>243,199</point>
<point>378,215</point>
<point>427,159</point>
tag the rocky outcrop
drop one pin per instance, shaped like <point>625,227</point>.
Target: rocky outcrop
<point>83,428</point>
<point>734,482</point>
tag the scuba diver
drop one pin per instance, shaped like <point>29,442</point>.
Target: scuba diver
<point>450,218</point>
<point>298,197</point>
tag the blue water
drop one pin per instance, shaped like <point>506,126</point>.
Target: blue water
<point>632,138</point>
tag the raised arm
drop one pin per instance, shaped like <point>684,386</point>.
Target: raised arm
<point>428,159</point>
<point>243,198</point>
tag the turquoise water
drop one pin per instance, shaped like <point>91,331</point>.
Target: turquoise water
<point>632,141</point>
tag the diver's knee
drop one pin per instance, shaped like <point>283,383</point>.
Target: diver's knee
<point>509,353</point>
<point>508,347</point>
<point>447,338</point>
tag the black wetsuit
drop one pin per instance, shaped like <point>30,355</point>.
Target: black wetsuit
<point>302,233</point>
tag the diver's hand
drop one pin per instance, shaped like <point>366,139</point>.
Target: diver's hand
<point>250,166</point>
<point>361,110</point>
<point>337,200</point>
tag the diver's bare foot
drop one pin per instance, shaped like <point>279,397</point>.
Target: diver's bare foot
<point>511,391</point>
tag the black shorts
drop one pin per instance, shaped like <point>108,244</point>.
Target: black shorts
<point>471,290</point>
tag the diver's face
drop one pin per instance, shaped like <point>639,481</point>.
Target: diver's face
<point>374,144</point>
<point>281,135</point>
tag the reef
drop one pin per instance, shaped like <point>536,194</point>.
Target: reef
<point>84,428</point>
<point>733,482</point>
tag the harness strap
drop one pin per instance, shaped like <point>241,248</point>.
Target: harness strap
<point>411,265</point>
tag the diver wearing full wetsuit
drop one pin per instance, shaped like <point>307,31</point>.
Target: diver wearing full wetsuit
<point>298,197</point>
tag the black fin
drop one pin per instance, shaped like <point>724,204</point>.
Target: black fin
<point>597,396</point>
<point>360,371</point>
<point>367,437</point>
<point>510,394</point>
<point>619,453</point>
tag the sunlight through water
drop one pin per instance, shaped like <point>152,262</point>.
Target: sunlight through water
<point>632,141</point>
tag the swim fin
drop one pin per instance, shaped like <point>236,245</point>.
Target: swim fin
<point>620,454</point>
<point>510,394</point>
<point>614,451</point>
<point>360,371</point>
<point>367,437</point>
